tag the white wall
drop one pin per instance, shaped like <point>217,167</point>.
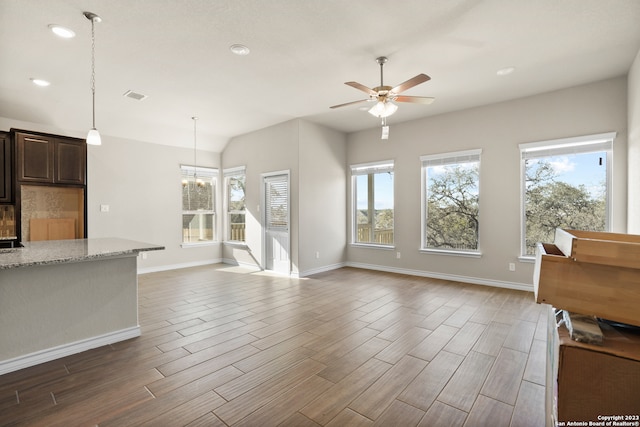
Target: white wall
<point>323,184</point>
<point>634,147</point>
<point>316,159</point>
<point>496,129</point>
<point>271,149</point>
<point>141,184</point>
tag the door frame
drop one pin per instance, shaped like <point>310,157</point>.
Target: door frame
<point>263,217</point>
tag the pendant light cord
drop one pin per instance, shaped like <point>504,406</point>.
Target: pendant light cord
<point>195,151</point>
<point>93,70</point>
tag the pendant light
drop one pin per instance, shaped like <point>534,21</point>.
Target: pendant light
<point>93,137</point>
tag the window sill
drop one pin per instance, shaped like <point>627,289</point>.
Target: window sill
<point>373,246</point>
<point>451,252</point>
<point>198,244</point>
<point>529,259</point>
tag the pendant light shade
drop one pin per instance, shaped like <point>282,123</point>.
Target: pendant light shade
<point>93,137</point>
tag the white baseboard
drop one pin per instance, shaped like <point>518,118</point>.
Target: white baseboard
<point>464,279</point>
<point>178,266</point>
<point>54,353</point>
<point>322,269</point>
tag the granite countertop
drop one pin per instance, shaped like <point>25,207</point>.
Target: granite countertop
<point>67,251</point>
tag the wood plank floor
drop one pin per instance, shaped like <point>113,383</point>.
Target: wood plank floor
<point>224,346</point>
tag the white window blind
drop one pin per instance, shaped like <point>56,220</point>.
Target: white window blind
<point>200,172</point>
<point>468,156</point>
<point>377,167</point>
<point>566,146</point>
<point>277,214</point>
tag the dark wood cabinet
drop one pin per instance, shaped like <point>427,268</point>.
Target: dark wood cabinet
<point>6,170</point>
<point>50,159</point>
<point>50,184</point>
<point>34,158</point>
<point>70,162</point>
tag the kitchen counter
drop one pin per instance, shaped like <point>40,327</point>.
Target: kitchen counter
<point>65,251</point>
<point>63,297</point>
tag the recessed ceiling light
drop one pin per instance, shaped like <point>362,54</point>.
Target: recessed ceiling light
<point>239,49</point>
<point>39,82</point>
<point>505,71</point>
<point>61,31</point>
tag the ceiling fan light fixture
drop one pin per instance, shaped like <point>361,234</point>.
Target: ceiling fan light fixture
<point>383,109</point>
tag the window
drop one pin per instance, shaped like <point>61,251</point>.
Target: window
<point>566,184</point>
<point>198,204</point>
<point>235,203</point>
<point>450,202</point>
<point>372,188</point>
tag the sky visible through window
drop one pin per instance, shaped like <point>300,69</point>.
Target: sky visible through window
<point>580,169</point>
<point>576,169</point>
<point>383,191</point>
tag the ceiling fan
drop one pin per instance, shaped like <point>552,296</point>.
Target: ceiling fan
<point>384,95</point>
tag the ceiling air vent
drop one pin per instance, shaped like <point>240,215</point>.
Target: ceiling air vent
<point>135,95</point>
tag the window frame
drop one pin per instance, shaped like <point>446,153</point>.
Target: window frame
<point>209,172</point>
<point>368,169</point>
<point>228,174</point>
<point>450,158</point>
<point>556,147</point>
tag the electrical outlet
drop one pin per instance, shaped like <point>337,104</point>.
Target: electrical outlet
<point>104,208</point>
<point>397,255</point>
<point>512,266</point>
<point>144,255</point>
<point>317,255</point>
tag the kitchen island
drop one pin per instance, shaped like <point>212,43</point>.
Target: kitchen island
<point>66,296</point>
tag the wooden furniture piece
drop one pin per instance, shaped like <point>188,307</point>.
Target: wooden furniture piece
<point>50,159</point>
<point>45,163</point>
<point>6,170</point>
<point>596,274</point>
<point>585,381</point>
<point>592,273</point>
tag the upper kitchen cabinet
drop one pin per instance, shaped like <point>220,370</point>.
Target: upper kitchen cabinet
<point>6,175</point>
<point>50,159</point>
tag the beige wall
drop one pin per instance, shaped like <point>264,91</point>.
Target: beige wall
<point>49,311</point>
<point>268,150</point>
<point>323,185</point>
<point>141,184</point>
<point>315,158</point>
<point>634,147</point>
<point>496,129</point>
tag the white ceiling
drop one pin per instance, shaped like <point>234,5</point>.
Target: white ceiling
<point>302,52</point>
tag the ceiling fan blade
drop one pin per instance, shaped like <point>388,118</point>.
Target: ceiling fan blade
<point>363,88</point>
<point>414,81</point>
<point>349,103</point>
<point>415,99</point>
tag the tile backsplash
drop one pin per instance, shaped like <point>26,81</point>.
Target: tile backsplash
<point>7,222</point>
